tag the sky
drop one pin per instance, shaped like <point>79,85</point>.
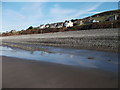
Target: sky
<point>21,15</point>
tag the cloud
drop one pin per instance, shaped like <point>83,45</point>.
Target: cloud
<point>59,11</point>
<point>28,15</point>
<point>60,14</point>
<point>10,14</point>
<point>34,14</point>
<point>33,8</point>
<point>88,10</point>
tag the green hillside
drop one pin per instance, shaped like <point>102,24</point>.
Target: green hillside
<point>104,15</point>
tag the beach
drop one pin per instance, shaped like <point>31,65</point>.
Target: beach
<point>59,44</point>
<point>21,73</point>
<point>94,39</point>
<point>101,71</point>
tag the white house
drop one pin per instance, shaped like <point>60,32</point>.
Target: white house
<point>68,24</point>
<point>42,26</point>
<point>47,25</point>
<point>95,21</point>
<point>117,16</point>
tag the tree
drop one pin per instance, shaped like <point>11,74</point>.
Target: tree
<point>30,28</point>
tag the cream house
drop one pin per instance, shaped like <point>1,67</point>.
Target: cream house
<point>13,31</point>
<point>81,22</point>
<point>53,25</point>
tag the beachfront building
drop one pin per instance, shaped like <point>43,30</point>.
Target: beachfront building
<point>42,26</point>
<point>85,21</point>
<point>60,25</point>
<point>13,31</point>
<point>112,18</point>
<point>116,17</point>
<point>68,24</point>
<point>95,21</point>
<point>81,22</point>
<point>53,25</point>
<point>47,25</point>
<point>76,22</point>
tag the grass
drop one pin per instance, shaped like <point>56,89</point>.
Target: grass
<point>102,18</point>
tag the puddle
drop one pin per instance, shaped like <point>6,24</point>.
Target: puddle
<point>75,57</point>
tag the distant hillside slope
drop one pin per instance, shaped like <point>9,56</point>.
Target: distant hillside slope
<point>104,15</point>
<point>108,13</point>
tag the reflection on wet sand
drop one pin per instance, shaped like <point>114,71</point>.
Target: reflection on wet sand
<point>75,57</point>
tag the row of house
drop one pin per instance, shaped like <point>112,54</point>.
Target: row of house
<point>75,22</point>
<point>67,24</point>
<point>57,25</point>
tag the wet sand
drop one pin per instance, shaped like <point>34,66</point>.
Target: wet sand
<point>20,73</point>
<point>94,39</point>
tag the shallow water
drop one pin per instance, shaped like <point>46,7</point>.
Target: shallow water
<point>75,57</point>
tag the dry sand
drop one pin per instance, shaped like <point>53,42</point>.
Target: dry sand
<point>20,73</point>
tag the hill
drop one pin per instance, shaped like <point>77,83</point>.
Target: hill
<point>108,19</point>
<point>104,15</point>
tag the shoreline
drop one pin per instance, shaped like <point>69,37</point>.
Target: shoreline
<point>21,73</point>
<point>98,39</point>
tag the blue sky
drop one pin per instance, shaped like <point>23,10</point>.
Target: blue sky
<point>21,15</point>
